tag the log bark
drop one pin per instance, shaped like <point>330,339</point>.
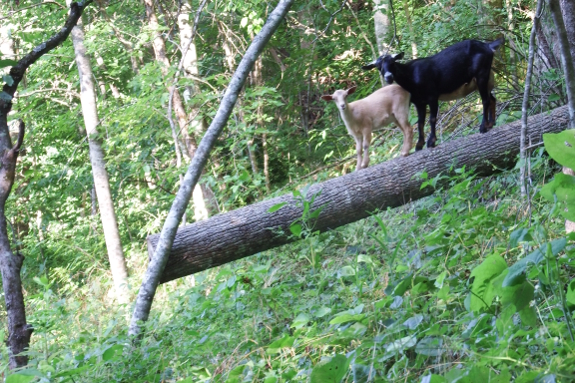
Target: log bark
<point>252,229</point>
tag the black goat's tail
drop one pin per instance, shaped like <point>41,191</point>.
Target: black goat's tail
<point>494,45</point>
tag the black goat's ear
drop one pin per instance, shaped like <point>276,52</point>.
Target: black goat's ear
<point>398,56</point>
<point>369,66</point>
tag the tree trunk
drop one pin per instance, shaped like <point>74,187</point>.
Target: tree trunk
<point>101,182</point>
<point>178,105</point>
<point>190,63</point>
<point>411,30</point>
<point>525,104</point>
<point>565,34</point>
<point>566,60</point>
<point>158,262</point>
<point>381,25</point>
<point>19,332</point>
<point>568,13</point>
<point>252,229</point>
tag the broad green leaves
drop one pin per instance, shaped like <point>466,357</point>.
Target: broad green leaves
<point>482,290</point>
<point>561,147</point>
<point>330,371</point>
<point>517,271</point>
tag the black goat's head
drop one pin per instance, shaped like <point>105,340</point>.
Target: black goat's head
<point>385,65</point>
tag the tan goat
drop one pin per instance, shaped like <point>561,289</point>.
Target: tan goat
<point>383,107</point>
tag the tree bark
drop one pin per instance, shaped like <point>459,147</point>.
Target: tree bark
<point>566,59</point>
<point>525,104</point>
<point>200,210</point>
<point>381,25</point>
<point>568,13</point>
<point>252,229</point>
<point>158,262</point>
<point>19,332</point>
<point>101,181</point>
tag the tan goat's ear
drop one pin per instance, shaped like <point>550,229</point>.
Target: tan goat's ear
<point>327,98</point>
<point>351,90</point>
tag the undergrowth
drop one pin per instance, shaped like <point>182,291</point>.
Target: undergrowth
<point>405,295</point>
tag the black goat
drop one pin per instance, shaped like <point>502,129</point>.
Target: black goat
<point>446,75</point>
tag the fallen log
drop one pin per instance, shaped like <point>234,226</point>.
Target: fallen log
<point>252,229</point>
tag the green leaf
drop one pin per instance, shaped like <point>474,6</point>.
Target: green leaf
<point>430,346</point>
<point>322,311</point>
<point>19,378</point>
<point>561,147</point>
<point>433,378</point>
<point>276,207</point>
<point>570,296</point>
<point>347,318</point>
<point>301,320</point>
<point>563,187</point>
<point>517,270</point>
<point>8,79</point>
<point>482,293</point>
<point>361,373</point>
<point>413,322</point>
<point>346,271</point>
<point>7,62</point>
<point>331,371</point>
<point>401,344</point>
<point>276,346</point>
<point>111,352</point>
<point>295,228</point>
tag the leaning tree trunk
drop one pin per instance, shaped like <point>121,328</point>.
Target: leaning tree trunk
<point>101,181</point>
<point>252,229</point>
<point>19,332</point>
<point>158,261</point>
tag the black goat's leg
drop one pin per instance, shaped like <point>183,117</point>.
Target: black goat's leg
<point>420,124</point>
<point>492,110</point>
<point>486,124</point>
<point>433,110</point>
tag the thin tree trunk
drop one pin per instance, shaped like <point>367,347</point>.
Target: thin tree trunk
<point>512,58</point>
<point>568,13</point>
<point>19,331</point>
<point>190,62</point>
<point>101,182</point>
<point>525,104</point>
<point>566,59</point>
<point>258,80</point>
<point>102,83</point>
<point>381,25</point>
<point>565,35</point>
<point>177,103</point>
<point>157,263</point>
<point>252,229</point>
<point>411,30</point>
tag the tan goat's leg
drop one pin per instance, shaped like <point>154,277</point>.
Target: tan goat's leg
<point>366,143</point>
<point>407,137</point>
<point>358,150</point>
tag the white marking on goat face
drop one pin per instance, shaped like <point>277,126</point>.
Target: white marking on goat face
<point>388,76</point>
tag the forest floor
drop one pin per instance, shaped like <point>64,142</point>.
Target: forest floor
<point>405,295</point>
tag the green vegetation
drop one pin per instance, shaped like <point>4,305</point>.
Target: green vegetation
<point>472,284</point>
